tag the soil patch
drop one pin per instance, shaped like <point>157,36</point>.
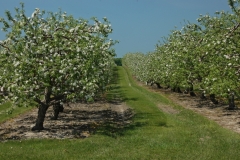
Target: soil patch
<point>78,120</point>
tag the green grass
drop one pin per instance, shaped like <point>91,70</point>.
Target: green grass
<point>153,134</point>
<point>6,112</point>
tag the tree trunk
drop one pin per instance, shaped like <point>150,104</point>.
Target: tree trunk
<point>203,95</point>
<point>57,108</point>
<point>186,91</point>
<point>167,87</point>
<point>173,89</point>
<point>176,89</point>
<point>231,102</point>
<point>212,98</point>
<point>191,90</point>
<point>149,82</point>
<point>42,109</point>
<point>158,85</point>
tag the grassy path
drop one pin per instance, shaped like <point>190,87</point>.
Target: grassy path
<point>153,135</point>
<point>5,108</point>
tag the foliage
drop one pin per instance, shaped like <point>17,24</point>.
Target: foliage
<point>47,59</point>
<point>203,55</point>
<point>118,61</point>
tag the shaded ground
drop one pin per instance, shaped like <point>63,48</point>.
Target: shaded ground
<point>219,113</point>
<point>76,121</point>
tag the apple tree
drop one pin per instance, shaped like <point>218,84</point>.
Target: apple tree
<point>50,59</point>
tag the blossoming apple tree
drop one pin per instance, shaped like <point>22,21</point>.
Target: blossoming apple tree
<point>50,59</point>
<point>203,55</point>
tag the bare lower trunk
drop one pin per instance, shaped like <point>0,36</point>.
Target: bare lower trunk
<point>41,116</point>
<point>158,85</point>
<point>231,102</point>
<point>57,108</point>
<point>203,95</point>
<point>149,82</point>
<point>176,89</point>
<point>191,90</point>
<point>167,87</point>
<point>213,99</point>
<point>186,91</point>
<point>42,109</point>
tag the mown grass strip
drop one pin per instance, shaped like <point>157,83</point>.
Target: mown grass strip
<point>153,135</point>
<point>6,112</point>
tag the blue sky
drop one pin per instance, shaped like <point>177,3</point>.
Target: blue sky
<point>138,25</point>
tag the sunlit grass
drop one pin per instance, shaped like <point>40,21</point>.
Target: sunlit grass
<point>7,112</point>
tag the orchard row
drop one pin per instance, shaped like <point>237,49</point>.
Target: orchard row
<point>203,57</point>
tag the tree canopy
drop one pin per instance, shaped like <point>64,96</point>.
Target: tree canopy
<point>48,59</point>
<point>204,55</point>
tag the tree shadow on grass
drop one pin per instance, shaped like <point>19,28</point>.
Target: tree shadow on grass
<point>139,120</point>
<point>115,131</point>
<point>121,128</point>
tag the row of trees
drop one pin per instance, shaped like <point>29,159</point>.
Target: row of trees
<point>48,59</point>
<point>203,56</point>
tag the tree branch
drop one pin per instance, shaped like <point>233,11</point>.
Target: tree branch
<point>5,47</point>
<point>233,29</point>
